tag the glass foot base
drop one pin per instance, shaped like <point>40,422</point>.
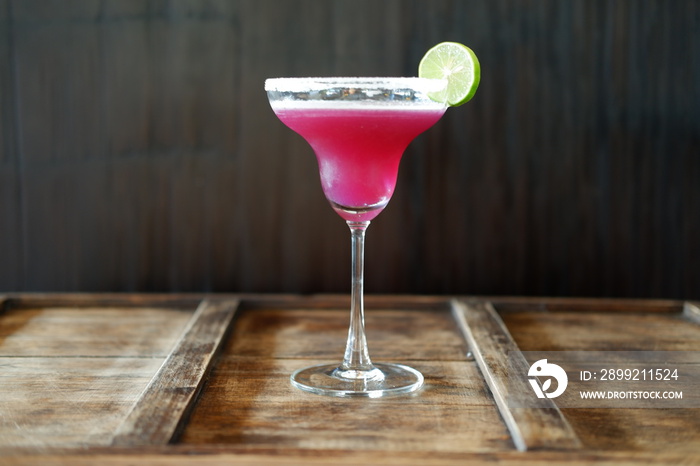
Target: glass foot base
<point>382,380</point>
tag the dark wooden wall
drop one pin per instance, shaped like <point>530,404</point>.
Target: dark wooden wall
<point>138,151</point>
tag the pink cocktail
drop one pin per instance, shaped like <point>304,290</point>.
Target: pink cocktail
<point>359,129</point>
<point>359,148</point>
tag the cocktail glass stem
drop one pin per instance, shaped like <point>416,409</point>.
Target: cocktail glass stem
<point>356,358</point>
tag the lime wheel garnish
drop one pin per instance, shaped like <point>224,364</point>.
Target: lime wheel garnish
<point>457,64</point>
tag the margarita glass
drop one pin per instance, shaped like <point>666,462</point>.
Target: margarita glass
<point>359,129</point>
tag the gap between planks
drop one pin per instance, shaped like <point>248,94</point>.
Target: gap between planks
<point>498,356</point>
<point>163,406</point>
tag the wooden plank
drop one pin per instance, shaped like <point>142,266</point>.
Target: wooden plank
<point>633,326</point>
<point>81,366</point>
<point>248,401</point>
<point>606,429</point>
<point>68,402</point>
<point>11,228</point>
<point>499,357</point>
<point>82,300</point>
<point>92,331</point>
<point>643,331</point>
<point>691,310</point>
<point>217,455</point>
<point>248,414</point>
<point>314,334</point>
<point>506,304</point>
<point>324,301</point>
<point>167,400</point>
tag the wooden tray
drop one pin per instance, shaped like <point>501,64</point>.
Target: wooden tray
<point>157,378</point>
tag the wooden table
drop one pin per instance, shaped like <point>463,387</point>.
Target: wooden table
<point>170,379</point>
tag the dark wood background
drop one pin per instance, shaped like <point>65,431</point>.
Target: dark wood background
<point>138,151</point>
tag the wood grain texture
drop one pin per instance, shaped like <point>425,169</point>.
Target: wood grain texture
<point>602,331</point>
<point>314,334</point>
<point>106,332</point>
<point>68,402</point>
<point>165,403</point>
<point>248,399</point>
<point>69,376</point>
<point>637,429</point>
<point>641,328</point>
<point>138,152</point>
<point>532,428</point>
<point>247,412</point>
<point>217,456</point>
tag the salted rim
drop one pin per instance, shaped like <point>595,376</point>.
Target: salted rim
<point>424,105</point>
<point>308,84</point>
